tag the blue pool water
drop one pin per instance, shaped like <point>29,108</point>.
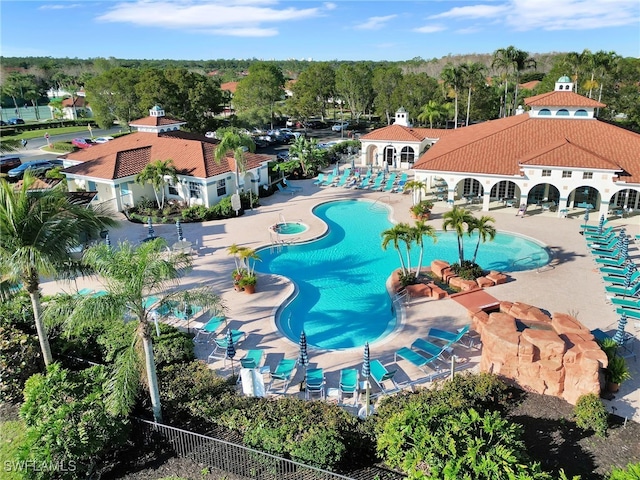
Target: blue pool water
<point>342,300</point>
<point>290,228</point>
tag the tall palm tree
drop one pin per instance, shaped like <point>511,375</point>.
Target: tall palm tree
<point>306,151</point>
<point>431,111</point>
<point>157,173</point>
<point>485,231</point>
<point>459,219</point>
<point>418,232</point>
<point>473,75</point>
<point>521,61</point>
<point>38,228</point>
<point>395,235</point>
<point>452,77</point>
<point>238,144</point>
<point>416,187</point>
<point>131,274</point>
<point>503,60</point>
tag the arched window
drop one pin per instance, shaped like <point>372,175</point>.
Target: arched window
<point>581,113</point>
<point>563,112</point>
<point>407,155</point>
<point>544,111</point>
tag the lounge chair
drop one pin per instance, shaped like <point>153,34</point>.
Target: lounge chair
<point>220,349</point>
<point>208,328</point>
<point>629,312</point>
<point>376,183</point>
<point>380,375</point>
<point>399,188</point>
<point>431,349</point>
<point>364,183</point>
<point>451,338</point>
<point>614,270</point>
<point>319,180</point>
<point>626,302</point>
<point>606,253</point>
<point>621,280</point>
<point>610,261</point>
<point>291,188</point>
<point>605,244</point>
<point>281,189</point>
<point>389,183</point>
<point>252,359</point>
<point>348,385</point>
<point>627,292</point>
<point>416,359</point>
<point>283,372</point>
<point>314,382</point>
<point>89,291</point>
<point>342,181</point>
<point>329,180</point>
<point>593,229</point>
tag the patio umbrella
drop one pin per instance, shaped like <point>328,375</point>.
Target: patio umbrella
<point>303,356</point>
<point>601,225</point>
<point>231,349</point>
<point>628,272</point>
<point>107,241</point>
<point>619,336</point>
<point>366,371</point>
<point>151,232</point>
<point>624,248</point>
<point>586,215</point>
<point>179,228</point>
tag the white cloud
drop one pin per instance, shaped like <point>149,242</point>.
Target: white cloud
<point>430,29</point>
<point>58,6</point>
<point>523,15</point>
<point>330,6</point>
<point>235,18</point>
<point>374,23</point>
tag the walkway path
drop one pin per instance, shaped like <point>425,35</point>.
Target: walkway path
<point>570,284</point>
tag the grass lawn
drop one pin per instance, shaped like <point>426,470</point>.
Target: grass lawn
<point>12,433</point>
<point>28,135</point>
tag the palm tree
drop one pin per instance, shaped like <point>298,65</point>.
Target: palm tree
<point>503,60</point>
<point>430,112</point>
<point>416,187</point>
<point>238,143</point>
<point>396,235</point>
<point>37,230</point>
<point>485,230</point>
<point>306,151</point>
<point>130,274</point>
<point>156,173</point>
<point>419,231</point>
<point>458,218</point>
<point>473,74</point>
<point>521,61</point>
<point>452,77</point>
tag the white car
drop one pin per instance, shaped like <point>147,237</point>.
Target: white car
<point>102,139</point>
<point>338,127</point>
<point>290,122</point>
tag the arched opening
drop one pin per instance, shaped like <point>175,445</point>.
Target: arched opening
<point>470,188</point>
<point>389,156</point>
<point>545,195</point>
<point>407,155</point>
<point>504,190</point>
<point>585,197</point>
<point>581,113</point>
<point>544,112</point>
<point>627,200</point>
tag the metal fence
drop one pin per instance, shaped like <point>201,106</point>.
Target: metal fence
<point>229,457</point>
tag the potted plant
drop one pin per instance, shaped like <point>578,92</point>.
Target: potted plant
<point>248,283</point>
<point>421,210</point>
<point>616,372</point>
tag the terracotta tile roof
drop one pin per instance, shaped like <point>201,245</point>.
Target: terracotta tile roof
<point>79,101</point>
<point>124,156</point>
<point>500,146</point>
<point>529,85</point>
<point>229,86</point>
<point>155,121</point>
<point>398,133</point>
<point>564,99</point>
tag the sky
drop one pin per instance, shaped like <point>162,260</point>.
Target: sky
<point>334,30</point>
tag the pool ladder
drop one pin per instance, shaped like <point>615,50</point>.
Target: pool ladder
<point>276,243</point>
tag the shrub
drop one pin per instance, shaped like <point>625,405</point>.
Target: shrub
<point>468,270</point>
<point>19,359</point>
<point>63,147</point>
<point>68,424</point>
<point>632,472</point>
<point>591,414</point>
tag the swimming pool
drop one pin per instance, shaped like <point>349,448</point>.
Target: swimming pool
<point>289,228</point>
<point>342,301</point>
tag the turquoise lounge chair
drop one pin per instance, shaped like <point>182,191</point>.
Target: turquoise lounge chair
<point>220,350</point>
<point>389,183</point>
<point>380,375</point>
<point>626,302</point>
<point>208,328</point>
<point>329,180</point>
<point>629,312</point>
<point>610,261</point>
<point>376,183</point>
<point>399,188</point>
<point>319,180</point>
<point>348,385</point>
<point>342,181</point>
<point>614,270</point>
<point>627,292</point>
<point>283,372</point>
<point>413,357</point>
<point>621,280</point>
<point>431,349</point>
<point>451,338</point>
<point>281,189</point>
<point>314,382</point>
<point>290,188</point>
<point>364,183</point>
<point>252,359</point>
<point>606,253</point>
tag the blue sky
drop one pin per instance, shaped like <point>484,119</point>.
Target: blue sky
<point>343,30</point>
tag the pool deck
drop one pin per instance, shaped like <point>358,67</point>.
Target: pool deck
<point>571,283</point>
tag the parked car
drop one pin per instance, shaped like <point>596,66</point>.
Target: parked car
<point>9,162</point>
<point>37,167</point>
<point>15,121</point>
<point>315,124</point>
<point>102,139</point>
<point>291,122</point>
<point>82,142</point>
<point>3,123</point>
<point>338,127</point>
<point>210,134</point>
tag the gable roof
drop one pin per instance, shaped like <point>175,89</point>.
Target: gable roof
<point>78,101</point>
<point>399,133</point>
<point>158,121</point>
<point>561,99</point>
<point>229,86</point>
<point>500,147</point>
<point>192,155</point>
<point>529,85</point>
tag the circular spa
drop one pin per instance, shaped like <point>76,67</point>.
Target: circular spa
<point>342,300</point>
<point>289,228</point>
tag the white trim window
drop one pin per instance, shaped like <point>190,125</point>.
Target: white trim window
<point>221,187</point>
<point>195,190</point>
<point>172,187</point>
